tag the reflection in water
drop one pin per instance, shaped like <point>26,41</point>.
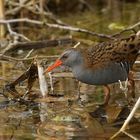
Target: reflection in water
<point>18,120</point>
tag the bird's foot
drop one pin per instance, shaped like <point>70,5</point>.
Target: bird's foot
<point>125,87</point>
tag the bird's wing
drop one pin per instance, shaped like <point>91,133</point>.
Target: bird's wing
<point>123,51</point>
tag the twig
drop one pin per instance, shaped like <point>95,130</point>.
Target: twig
<point>17,7</point>
<point>29,5</point>
<point>51,16</point>
<point>128,119</point>
<point>130,135</point>
<point>9,58</point>
<point>127,29</point>
<point>75,46</point>
<point>16,34</point>
<point>29,53</point>
<point>70,28</point>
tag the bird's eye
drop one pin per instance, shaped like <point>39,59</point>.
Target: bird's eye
<point>65,56</point>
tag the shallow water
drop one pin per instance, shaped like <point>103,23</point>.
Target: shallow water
<point>62,117</point>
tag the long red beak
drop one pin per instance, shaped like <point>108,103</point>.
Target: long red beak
<point>57,63</point>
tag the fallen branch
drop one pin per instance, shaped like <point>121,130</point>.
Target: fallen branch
<point>37,44</point>
<point>12,33</point>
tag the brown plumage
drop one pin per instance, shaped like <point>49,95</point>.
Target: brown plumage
<point>121,50</point>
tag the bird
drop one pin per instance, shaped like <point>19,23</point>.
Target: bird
<point>102,64</point>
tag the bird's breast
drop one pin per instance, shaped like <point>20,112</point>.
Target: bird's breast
<point>107,75</point>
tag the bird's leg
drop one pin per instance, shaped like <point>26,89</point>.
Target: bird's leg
<point>125,87</point>
<point>79,85</point>
<point>131,84</point>
<point>107,94</point>
<point>131,87</point>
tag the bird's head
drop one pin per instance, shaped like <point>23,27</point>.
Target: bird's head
<point>69,57</point>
